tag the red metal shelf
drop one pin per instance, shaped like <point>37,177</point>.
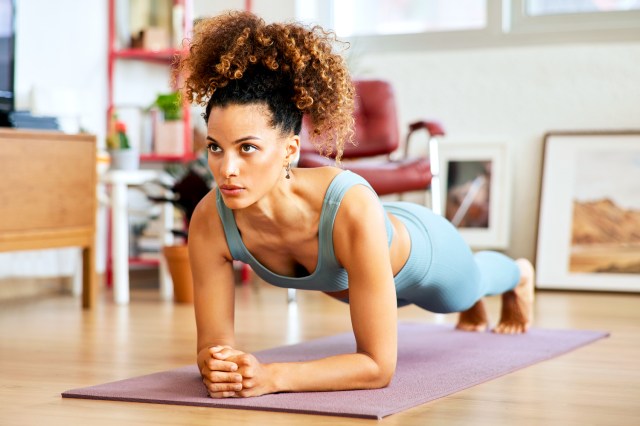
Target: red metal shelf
<point>165,56</point>
<point>160,158</point>
<point>143,261</point>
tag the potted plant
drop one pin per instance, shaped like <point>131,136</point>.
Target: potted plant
<point>169,128</point>
<point>123,156</point>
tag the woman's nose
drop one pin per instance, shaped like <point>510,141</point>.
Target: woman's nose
<point>229,166</point>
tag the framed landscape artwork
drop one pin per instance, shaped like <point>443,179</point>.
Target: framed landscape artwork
<point>475,192</point>
<point>589,222</point>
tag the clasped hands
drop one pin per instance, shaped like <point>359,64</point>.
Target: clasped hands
<point>229,373</point>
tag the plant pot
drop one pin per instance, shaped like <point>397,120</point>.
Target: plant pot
<point>169,138</point>
<point>178,263</point>
<point>124,159</point>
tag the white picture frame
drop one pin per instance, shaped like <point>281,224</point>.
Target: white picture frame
<point>468,159</point>
<point>589,200</point>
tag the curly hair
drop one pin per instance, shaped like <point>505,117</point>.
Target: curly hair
<point>236,58</point>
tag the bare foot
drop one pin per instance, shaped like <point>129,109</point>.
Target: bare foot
<point>517,304</point>
<point>474,319</point>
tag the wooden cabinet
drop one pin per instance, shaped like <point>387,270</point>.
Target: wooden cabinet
<point>48,191</point>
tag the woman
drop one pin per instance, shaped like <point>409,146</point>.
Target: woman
<point>321,229</point>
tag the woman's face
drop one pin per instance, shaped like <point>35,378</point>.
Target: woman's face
<point>247,155</point>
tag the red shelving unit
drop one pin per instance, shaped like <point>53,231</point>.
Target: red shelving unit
<point>161,158</point>
<point>165,56</point>
<point>143,261</point>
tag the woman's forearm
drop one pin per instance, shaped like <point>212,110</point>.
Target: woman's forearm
<point>339,372</point>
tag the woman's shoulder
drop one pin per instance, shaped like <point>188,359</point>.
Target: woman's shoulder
<point>319,175</point>
<point>315,181</point>
<point>348,189</point>
<point>318,180</point>
<point>205,218</point>
<point>206,232</point>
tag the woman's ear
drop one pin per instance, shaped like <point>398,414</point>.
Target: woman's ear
<point>293,149</point>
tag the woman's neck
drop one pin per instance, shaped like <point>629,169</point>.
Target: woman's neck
<point>281,208</point>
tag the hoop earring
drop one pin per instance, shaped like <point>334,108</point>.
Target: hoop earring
<point>288,168</point>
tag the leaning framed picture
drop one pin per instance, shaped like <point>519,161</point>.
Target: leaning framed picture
<point>475,191</point>
<point>589,221</point>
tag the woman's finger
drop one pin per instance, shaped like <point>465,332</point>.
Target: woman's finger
<point>223,394</point>
<point>217,388</point>
<point>214,349</point>
<point>225,353</point>
<point>219,365</point>
<point>247,365</point>
<point>220,377</point>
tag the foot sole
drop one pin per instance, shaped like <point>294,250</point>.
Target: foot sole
<point>517,304</point>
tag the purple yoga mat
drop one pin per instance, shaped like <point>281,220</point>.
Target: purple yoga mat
<point>433,361</point>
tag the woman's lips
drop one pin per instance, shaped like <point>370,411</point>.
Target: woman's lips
<point>231,189</point>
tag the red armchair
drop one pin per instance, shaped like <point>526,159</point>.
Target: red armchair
<point>376,134</point>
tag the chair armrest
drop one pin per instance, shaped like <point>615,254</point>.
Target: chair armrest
<point>433,128</point>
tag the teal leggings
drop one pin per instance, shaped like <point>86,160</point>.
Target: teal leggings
<point>442,274</point>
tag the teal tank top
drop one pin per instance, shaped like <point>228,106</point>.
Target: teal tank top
<point>329,275</point>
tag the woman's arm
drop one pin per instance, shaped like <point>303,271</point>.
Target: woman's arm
<point>213,282</point>
<point>360,244</point>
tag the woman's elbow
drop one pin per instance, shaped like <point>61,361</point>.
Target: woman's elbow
<point>378,371</point>
<point>383,375</point>
<point>386,377</point>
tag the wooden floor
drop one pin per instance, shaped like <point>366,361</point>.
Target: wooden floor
<point>48,345</point>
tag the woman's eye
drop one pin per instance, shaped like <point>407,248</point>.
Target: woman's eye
<point>248,148</point>
<point>213,148</point>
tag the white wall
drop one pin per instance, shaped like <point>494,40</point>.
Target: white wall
<point>62,44</point>
<point>269,10</point>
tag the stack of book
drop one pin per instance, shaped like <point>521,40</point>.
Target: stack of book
<point>24,120</point>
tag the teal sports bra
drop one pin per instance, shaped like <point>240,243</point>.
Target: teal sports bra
<point>329,275</point>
